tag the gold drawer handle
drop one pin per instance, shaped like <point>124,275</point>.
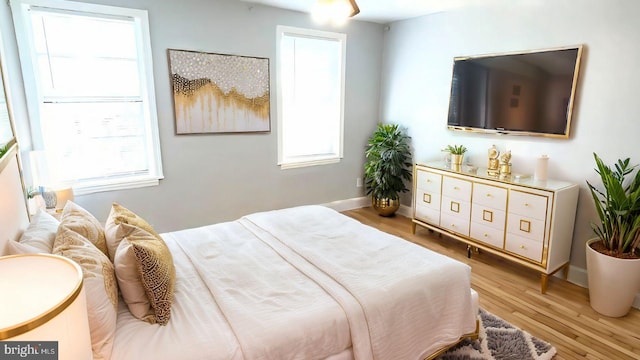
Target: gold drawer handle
<point>456,188</point>
<point>428,180</point>
<point>486,235</point>
<point>489,195</point>
<point>523,247</point>
<point>453,225</point>
<point>526,204</point>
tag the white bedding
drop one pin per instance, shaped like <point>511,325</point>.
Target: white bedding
<point>303,283</point>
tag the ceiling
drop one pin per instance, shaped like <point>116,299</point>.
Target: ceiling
<point>380,11</point>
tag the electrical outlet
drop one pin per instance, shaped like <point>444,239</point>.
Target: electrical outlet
<point>359,182</point>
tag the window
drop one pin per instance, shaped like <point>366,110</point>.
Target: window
<point>310,96</point>
<point>89,82</point>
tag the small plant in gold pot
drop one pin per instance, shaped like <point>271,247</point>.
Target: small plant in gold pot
<point>456,152</point>
<point>613,257</point>
<point>387,168</point>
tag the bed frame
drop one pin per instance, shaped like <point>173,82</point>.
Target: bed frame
<point>14,214</point>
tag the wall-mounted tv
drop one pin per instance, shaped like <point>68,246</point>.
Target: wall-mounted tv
<point>525,93</point>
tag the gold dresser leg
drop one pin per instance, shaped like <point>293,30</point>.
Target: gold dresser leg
<point>544,281</point>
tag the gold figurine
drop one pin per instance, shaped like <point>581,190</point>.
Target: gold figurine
<point>493,169</point>
<point>505,164</point>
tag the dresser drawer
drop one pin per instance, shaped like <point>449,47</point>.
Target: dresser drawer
<point>490,196</point>
<point>456,188</point>
<point>487,234</point>
<point>455,224</point>
<point>488,216</point>
<point>428,181</point>
<point>428,199</point>
<point>428,215</point>
<point>456,207</point>
<point>526,227</point>
<point>524,247</point>
<point>527,204</point>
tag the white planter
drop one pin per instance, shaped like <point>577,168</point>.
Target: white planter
<point>613,282</point>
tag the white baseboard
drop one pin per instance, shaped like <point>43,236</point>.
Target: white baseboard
<point>577,275</point>
<point>349,204</point>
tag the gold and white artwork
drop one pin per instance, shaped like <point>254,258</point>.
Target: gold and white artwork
<point>217,93</point>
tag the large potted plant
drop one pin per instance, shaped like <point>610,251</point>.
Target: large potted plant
<point>387,167</point>
<point>613,257</point>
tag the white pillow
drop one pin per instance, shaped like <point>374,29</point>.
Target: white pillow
<point>38,237</point>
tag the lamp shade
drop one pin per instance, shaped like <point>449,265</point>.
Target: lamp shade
<point>43,300</point>
<point>62,196</point>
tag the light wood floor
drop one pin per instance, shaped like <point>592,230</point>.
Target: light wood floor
<point>562,316</point>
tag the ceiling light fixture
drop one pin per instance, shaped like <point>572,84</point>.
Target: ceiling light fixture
<point>335,11</point>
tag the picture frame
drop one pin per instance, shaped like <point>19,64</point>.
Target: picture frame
<point>219,93</point>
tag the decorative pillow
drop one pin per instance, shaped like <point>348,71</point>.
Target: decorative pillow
<point>121,215</point>
<point>99,285</point>
<point>77,219</point>
<point>38,237</point>
<point>146,274</point>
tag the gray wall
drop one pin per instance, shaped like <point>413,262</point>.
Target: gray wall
<point>417,68</point>
<point>213,178</point>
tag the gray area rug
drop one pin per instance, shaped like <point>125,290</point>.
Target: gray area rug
<point>500,340</point>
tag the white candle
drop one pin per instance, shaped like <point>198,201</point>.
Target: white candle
<point>541,168</point>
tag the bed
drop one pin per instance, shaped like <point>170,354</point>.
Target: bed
<point>298,283</point>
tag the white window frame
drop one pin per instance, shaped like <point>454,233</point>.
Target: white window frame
<point>309,160</point>
<point>22,25</point>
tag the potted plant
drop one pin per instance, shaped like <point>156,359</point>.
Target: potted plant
<point>387,167</point>
<point>613,257</point>
<point>457,153</point>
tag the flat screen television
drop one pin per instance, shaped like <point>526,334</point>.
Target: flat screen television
<point>525,93</point>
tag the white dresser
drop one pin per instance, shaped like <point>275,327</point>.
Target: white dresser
<point>526,221</point>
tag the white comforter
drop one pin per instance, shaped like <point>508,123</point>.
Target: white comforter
<point>303,283</point>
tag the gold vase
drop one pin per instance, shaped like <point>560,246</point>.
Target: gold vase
<point>456,159</point>
<point>385,207</point>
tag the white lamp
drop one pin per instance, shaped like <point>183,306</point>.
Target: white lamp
<point>43,300</point>
<point>62,196</point>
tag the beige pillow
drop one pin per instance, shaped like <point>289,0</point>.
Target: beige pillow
<point>40,233</point>
<point>99,284</point>
<point>146,274</point>
<point>77,219</point>
<point>121,215</point>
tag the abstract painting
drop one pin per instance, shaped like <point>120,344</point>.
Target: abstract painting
<point>218,93</point>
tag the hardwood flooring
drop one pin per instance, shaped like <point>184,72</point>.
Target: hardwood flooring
<point>562,316</point>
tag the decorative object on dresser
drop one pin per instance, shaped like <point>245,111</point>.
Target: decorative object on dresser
<point>613,257</point>
<point>493,167</point>
<point>505,163</point>
<point>387,167</point>
<point>520,220</point>
<point>457,154</point>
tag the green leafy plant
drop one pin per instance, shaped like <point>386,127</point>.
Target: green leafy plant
<point>32,192</point>
<point>388,162</point>
<point>618,206</point>
<point>455,149</point>
<point>3,150</point>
